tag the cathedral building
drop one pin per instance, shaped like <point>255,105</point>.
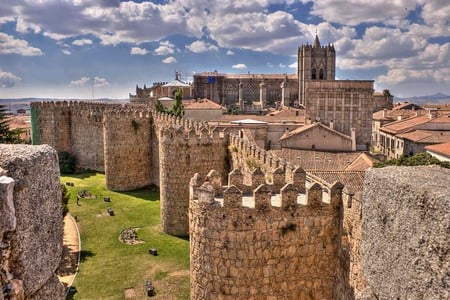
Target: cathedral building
<point>345,106</point>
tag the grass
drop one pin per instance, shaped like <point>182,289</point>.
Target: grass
<point>108,267</point>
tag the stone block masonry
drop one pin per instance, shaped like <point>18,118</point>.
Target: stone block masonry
<point>31,223</point>
<point>259,250</point>
<point>128,155</point>
<point>182,153</point>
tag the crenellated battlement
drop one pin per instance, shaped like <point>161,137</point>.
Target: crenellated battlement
<point>276,236</point>
<point>209,190</point>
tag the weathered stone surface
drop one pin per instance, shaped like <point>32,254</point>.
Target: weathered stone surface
<point>405,241</point>
<point>8,219</point>
<point>35,246</point>
<point>53,289</point>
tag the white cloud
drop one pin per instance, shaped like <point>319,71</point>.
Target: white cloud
<point>281,65</point>
<point>436,12</point>
<point>80,82</point>
<point>23,27</point>
<point>99,81</point>
<point>362,11</point>
<point>8,80</point>
<point>82,42</point>
<point>169,60</point>
<point>86,81</point>
<point>10,45</point>
<point>165,48</point>
<point>66,52</point>
<point>239,66</point>
<point>229,52</point>
<point>293,65</point>
<point>201,46</point>
<point>138,51</point>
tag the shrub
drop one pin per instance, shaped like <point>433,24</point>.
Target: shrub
<point>66,162</point>
<point>65,199</point>
<point>419,159</point>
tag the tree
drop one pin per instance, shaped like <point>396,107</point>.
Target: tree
<point>159,106</point>
<point>177,108</point>
<point>8,136</point>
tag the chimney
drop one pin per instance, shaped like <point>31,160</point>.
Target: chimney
<point>384,113</point>
<point>331,124</point>
<point>399,118</point>
<point>353,135</point>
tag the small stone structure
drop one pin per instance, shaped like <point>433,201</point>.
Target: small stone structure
<point>405,243</point>
<point>31,223</point>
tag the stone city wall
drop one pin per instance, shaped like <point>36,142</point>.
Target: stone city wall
<point>31,223</point>
<point>75,127</point>
<point>246,156</point>
<point>128,151</point>
<point>181,154</point>
<point>258,250</point>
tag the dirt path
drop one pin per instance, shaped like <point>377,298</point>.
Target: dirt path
<point>71,251</point>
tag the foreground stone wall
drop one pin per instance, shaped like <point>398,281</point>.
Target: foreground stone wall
<point>405,240</point>
<point>31,223</point>
<point>260,251</point>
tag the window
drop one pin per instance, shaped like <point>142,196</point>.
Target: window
<point>313,73</point>
<point>321,73</point>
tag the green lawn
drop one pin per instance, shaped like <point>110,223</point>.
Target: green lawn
<point>109,267</point>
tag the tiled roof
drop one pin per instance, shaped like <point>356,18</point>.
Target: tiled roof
<point>443,149</point>
<point>353,180</point>
<point>202,104</point>
<point>318,160</point>
<point>362,163</point>
<point>427,136</point>
<point>405,105</point>
<point>404,125</point>
<point>177,83</point>
<point>394,114</point>
<point>307,127</point>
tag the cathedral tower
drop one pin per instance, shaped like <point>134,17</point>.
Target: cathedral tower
<point>315,62</point>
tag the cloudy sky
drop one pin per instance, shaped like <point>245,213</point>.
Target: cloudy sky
<point>67,48</point>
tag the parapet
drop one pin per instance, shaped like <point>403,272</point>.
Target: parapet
<point>207,190</point>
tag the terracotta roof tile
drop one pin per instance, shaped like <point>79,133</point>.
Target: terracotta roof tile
<point>318,160</point>
<point>443,149</point>
<point>353,180</point>
<point>202,104</point>
<point>404,125</point>
<point>427,136</point>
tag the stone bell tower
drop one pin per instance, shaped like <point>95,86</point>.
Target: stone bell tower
<point>315,62</point>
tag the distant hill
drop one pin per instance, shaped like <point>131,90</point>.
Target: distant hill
<point>438,98</point>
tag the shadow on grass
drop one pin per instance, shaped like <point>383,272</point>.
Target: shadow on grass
<point>150,193</point>
<point>83,175</point>
<point>72,291</point>
<point>85,254</point>
<point>185,238</point>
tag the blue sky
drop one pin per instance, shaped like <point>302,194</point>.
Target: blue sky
<point>62,48</point>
